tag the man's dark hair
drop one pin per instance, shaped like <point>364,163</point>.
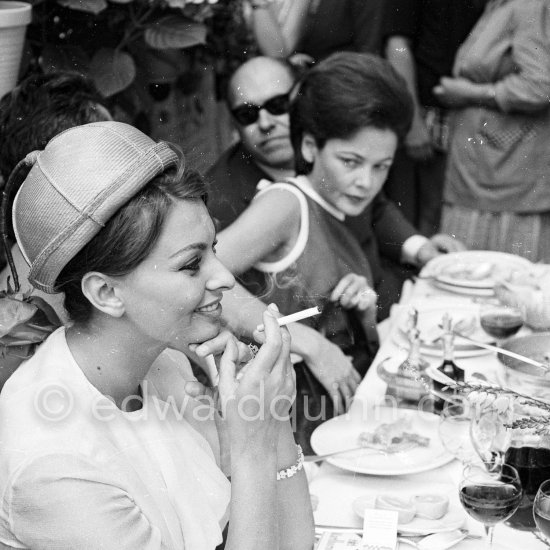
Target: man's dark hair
<point>41,107</point>
<point>343,94</point>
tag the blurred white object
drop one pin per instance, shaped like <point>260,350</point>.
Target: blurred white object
<point>531,291</point>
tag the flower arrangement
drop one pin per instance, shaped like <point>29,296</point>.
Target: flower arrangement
<point>106,39</point>
<point>535,413</point>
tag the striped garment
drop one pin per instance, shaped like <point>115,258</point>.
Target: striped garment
<point>526,235</point>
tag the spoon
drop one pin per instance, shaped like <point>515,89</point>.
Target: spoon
<point>438,541</point>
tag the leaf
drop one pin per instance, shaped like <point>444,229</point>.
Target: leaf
<point>88,6</point>
<point>112,70</point>
<point>24,335</point>
<point>175,31</point>
<point>13,313</point>
<point>46,315</point>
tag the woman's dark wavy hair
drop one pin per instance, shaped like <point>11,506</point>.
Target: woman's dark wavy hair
<point>129,236</point>
<point>343,94</point>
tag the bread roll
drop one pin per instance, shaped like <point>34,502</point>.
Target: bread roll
<point>404,508</point>
<point>430,506</point>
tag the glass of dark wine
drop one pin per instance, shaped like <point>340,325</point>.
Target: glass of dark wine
<point>490,497</point>
<point>541,510</point>
<point>500,320</point>
<point>531,458</point>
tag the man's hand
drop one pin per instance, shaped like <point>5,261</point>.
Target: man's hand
<point>455,92</point>
<point>437,245</point>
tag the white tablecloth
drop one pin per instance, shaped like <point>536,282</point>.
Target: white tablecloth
<point>336,489</point>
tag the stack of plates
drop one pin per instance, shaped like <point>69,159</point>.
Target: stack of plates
<point>474,271</point>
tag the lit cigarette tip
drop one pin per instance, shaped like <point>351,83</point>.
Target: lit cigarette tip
<point>298,316</point>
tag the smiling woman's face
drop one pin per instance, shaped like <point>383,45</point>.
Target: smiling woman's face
<point>173,297</point>
<point>348,173</point>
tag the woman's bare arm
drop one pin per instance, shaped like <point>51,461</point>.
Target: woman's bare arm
<point>270,222</point>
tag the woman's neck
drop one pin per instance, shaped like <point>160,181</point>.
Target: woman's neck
<point>113,360</point>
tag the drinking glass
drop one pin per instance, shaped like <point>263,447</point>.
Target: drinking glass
<point>454,431</point>
<point>490,435</point>
<point>500,320</point>
<point>541,510</point>
<point>490,497</point>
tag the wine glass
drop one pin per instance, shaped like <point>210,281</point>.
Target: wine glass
<point>500,320</point>
<point>490,497</point>
<point>454,431</point>
<point>490,435</point>
<point>541,510</point>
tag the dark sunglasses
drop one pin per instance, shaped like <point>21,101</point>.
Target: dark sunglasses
<point>248,114</point>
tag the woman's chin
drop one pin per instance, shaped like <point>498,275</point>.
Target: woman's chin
<point>204,335</point>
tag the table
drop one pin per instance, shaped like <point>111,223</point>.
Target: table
<point>336,488</point>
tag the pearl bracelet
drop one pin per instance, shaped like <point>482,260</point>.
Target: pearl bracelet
<point>295,468</point>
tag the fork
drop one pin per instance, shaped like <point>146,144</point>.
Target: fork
<point>375,450</point>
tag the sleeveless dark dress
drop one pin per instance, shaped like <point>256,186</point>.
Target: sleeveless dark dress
<point>325,252</point>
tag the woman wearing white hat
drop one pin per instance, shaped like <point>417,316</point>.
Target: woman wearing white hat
<point>92,455</point>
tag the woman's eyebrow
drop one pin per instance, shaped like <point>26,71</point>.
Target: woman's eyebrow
<point>193,246</point>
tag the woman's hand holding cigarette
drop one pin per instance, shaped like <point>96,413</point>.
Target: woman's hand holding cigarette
<point>256,400</point>
<point>209,350</point>
<point>294,317</point>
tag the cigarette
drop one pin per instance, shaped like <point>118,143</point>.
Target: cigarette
<point>298,316</point>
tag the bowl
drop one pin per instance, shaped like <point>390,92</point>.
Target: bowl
<point>521,376</point>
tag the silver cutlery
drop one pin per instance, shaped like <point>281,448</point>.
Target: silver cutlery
<point>544,366</point>
<point>373,450</point>
<point>439,541</point>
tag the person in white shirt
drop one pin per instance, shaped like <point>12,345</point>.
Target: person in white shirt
<point>94,453</point>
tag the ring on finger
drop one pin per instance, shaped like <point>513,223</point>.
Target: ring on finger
<point>253,349</point>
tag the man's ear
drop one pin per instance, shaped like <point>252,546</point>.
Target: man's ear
<point>309,148</point>
<point>101,293</point>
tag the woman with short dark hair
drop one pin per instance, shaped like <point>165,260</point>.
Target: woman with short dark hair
<point>346,119</point>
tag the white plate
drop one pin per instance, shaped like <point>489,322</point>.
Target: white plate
<point>453,519</point>
<point>460,271</point>
<point>429,319</point>
<point>342,432</point>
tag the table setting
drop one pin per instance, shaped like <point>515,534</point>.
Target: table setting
<point>462,477</point>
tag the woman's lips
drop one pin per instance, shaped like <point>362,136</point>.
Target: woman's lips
<point>356,199</point>
<point>210,308</point>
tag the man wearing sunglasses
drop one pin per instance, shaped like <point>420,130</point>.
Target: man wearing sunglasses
<point>258,99</point>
